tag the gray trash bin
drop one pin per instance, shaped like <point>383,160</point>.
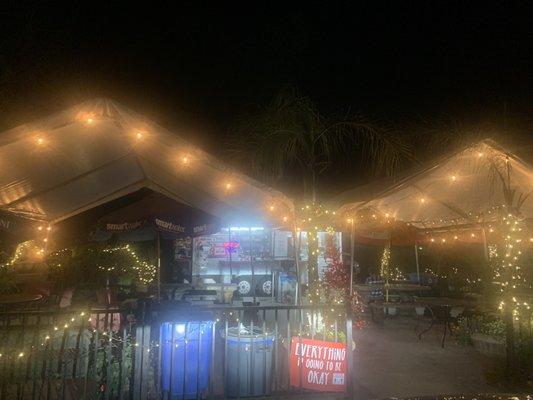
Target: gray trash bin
<point>249,362</point>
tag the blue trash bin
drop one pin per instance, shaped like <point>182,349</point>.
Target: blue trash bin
<point>186,358</point>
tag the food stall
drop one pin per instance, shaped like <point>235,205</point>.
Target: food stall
<point>256,262</point>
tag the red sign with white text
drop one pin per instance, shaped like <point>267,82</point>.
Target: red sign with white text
<point>318,365</point>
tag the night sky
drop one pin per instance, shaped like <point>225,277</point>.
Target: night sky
<point>200,67</point>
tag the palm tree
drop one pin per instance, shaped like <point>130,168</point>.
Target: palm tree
<point>290,133</point>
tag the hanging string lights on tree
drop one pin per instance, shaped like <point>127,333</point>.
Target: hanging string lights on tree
<point>145,271</point>
<point>384,271</point>
<point>337,287</point>
<point>312,219</point>
<point>507,265</point>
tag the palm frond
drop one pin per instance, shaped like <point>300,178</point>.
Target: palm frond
<point>291,132</point>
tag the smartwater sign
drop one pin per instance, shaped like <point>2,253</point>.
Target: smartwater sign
<point>318,365</point>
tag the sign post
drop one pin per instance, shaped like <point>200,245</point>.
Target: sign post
<point>318,365</point>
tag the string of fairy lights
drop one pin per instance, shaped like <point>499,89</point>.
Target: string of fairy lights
<point>103,326</point>
<point>385,262</point>
<point>315,218</point>
<point>36,247</point>
<point>146,272</point>
<point>507,267</point>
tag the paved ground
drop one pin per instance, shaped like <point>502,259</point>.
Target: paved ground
<point>391,362</point>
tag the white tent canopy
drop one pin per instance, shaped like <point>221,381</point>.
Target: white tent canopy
<point>99,151</point>
<point>467,186</point>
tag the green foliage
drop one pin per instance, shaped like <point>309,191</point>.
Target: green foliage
<point>319,333</point>
<point>464,331</point>
<point>108,369</point>
<point>7,282</point>
<point>90,266</point>
<point>492,326</point>
<point>290,132</point>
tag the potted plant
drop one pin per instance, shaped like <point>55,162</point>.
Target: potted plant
<point>420,310</point>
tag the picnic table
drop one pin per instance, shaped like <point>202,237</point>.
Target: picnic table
<point>440,309</point>
<point>388,291</point>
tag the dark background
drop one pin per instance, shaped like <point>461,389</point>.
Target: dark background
<point>196,68</point>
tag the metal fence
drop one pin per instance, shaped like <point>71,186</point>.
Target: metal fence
<point>170,352</point>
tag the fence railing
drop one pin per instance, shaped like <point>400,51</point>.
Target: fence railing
<point>176,352</point>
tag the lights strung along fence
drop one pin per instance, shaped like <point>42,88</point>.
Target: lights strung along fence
<point>176,353</point>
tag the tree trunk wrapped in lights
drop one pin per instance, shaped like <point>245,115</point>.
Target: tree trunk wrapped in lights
<point>312,263</point>
<point>384,269</point>
<point>314,218</point>
<point>507,262</point>
<point>511,280</point>
<point>337,286</point>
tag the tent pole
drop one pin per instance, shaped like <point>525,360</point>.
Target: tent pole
<point>417,264</point>
<point>486,255</point>
<point>485,246</point>
<point>388,270</point>
<point>272,268</point>
<point>417,268</point>
<point>297,243</point>
<point>352,255</point>
<point>252,264</point>
<point>230,264</point>
<point>158,252</point>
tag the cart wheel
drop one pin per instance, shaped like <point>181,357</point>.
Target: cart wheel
<point>244,286</point>
<point>264,287</point>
